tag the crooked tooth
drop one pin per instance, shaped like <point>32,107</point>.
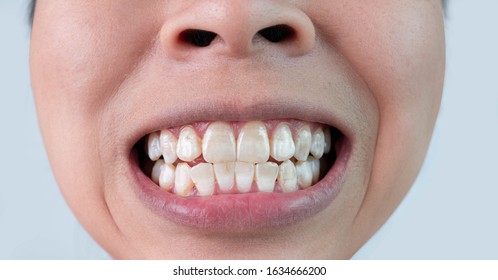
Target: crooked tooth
<point>287,177</point>
<point>318,143</point>
<point>266,175</point>
<point>156,171</point>
<point>183,180</point>
<point>168,144</point>
<point>244,176</point>
<point>189,145</point>
<point>225,175</point>
<point>282,145</point>
<point>315,168</point>
<point>304,174</point>
<point>253,145</point>
<point>167,177</point>
<point>153,147</point>
<point>328,140</point>
<point>203,177</point>
<point>218,143</point>
<point>303,143</point>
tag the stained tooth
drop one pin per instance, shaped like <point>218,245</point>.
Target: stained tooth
<point>252,144</point>
<point>315,168</point>
<point>189,145</point>
<point>287,177</point>
<point>153,147</point>
<point>167,177</point>
<point>168,144</point>
<point>304,174</point>
<point>303,143</point>
<point>328,140</point>
<point>156,171</point>
<point>183,181</point>
<point>318,143</point>
<point>244,175</point>
<point>282,145</point>
<point>225,175</point>
<point>203,177</point>
<point>218,144</point>
<point>266,175</point>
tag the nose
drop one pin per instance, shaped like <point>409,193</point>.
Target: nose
<point>236,28</point>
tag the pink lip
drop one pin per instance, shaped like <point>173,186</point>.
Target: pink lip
<point>243,212</point>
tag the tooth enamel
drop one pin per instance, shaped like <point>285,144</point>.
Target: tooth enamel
<point>287,177</point>
<point>304,174</point>
<point>303,143</point>
<point>315,168</point>
<point>282,145</point>
<point>328,140</point>
<point>183,181</point>
<point>153,147</point>
<point>225,175</point>
<point>244,175</point>
<point>168,144</point>
<point>189,145</point>
<point>218,144</point>
<point>156,171</point>
<point>203,177</point>
<point>252,143</point>
<point>318,143</point>
<point>167,177</point>
<point>266,175</point>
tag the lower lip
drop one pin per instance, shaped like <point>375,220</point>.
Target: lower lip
<point>243,212</point>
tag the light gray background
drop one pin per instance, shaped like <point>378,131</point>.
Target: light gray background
<point>450,213</point>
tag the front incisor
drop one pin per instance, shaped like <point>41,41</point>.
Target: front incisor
<point>253,145</point>
<point>218,143</point>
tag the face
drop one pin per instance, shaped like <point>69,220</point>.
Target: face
<point>236,129</point>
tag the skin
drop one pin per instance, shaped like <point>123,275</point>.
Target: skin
<point>101,71</point>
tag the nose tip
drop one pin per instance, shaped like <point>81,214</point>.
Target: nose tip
<point>237,28</point>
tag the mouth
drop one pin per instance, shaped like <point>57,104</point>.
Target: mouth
<point>240,175</point>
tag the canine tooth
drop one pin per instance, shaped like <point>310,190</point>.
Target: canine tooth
<point>287,177</point>
<point>266,175</point>
<point>168,144</point>
<point>203,177</point>
<point>318,143</point>
<point>183,181</point>
<point>218,144</point>
<point>315,168</point>
<point>282,145</point>
<point>153,147</point>
<point>252,144</point>
<point>156,171</point>
<point>328,140</point>
<point>225,175</point>
<point>244,175</point>
<point>167,177</point>
<point>189,145</point>
<point>303,143</point>
<point>304,174</point>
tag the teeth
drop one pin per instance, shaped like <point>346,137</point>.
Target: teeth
<point>189,145</point>
<point>225,175</point>
<point>287,177</point>
<point>183,180</point>
<point>156,171</point>
<point>303,143</point>
<point>282,144</point>
<point>168,144</point>
<point>167,177</point>
<point>304,174</point>
<point>318,143</point>
<point>266,174</point>
<point>315,168</point>
<point>203,178</point>
<point>244,175</point>
<point>218,144</point>
<point>153,147</point>
<point>253,145</point>
<point>328,140</point>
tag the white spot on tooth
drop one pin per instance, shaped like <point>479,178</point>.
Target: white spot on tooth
<point>282,145</point>
<point>189,145</point>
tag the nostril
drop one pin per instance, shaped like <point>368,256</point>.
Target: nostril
<point>277,33</point>
<point>198,38</point>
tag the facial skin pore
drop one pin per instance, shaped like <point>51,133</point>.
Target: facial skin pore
<point>106,75</point>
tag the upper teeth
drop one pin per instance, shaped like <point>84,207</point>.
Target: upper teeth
<point>225,161</point>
